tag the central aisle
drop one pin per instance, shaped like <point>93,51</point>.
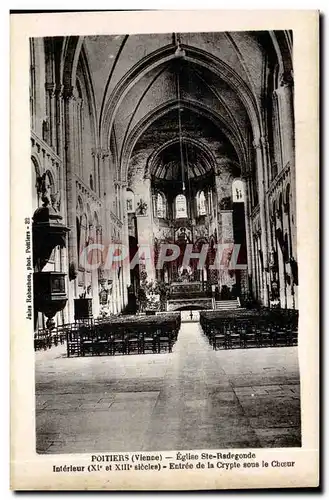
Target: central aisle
<point>197,407</point>
<point>193,398</point>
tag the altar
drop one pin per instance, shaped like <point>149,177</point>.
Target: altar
<point>187,289</point>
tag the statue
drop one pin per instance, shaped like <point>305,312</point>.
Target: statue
<point>226,203</point>
<point>56,201</point>
<point>43,188</point>
<point>47,198</point>
<point>185,273</point>
<point>272,259</point>
<point>141,207</point>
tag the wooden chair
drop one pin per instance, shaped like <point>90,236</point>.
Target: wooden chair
<point>133,341</point>
<point>86,340</point>
<point>118,341</point>
<point>149,340</point>
<point>164,339</point>
<point>73,341</point>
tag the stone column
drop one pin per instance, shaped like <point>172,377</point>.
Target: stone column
<point>94,274</point>
<point>286,115</point>
<point>71,197</point>
<point>125,242</point>
<point>259,146</point>
<point>227,276</point>
<point>247,213</point>
<point>285,97</point>
<point>59,122</point>
<point>145,239</point>
<point>223,183</point>
<point>51,98</point>
<point>145,227</point>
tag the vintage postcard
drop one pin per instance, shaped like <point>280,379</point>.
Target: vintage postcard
<point>164,313</point>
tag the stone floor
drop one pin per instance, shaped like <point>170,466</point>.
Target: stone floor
<point>194,398</point>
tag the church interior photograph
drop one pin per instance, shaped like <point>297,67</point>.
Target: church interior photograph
<point>164,240</point>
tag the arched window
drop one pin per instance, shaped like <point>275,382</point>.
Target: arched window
<point>287,200</point>
<point>32,84</point>
<point>78,235</point>
<point>35,184</point>
<point>130,201</point>
<point>161,206</point>
<point>180,206</point>
<point>201,203</point>
<point>238,191</point>
<point>91,182</point>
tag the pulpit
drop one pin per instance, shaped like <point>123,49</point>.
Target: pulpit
<point>48,232</point>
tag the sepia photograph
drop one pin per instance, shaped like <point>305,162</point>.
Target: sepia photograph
<point>165,264</point>
<point>164,227</point>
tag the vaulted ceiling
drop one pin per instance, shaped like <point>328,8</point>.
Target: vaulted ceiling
<point>219,88</point>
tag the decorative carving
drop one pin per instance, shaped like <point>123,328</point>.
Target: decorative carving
<point>43,189</point>
<point>246,174</point>
<point>49,294</point>
<point>256,143</point>
<point>183,235</point>
<point>69,92</point>
<point>141,207</point>
<point>56,201</point>
<point>286,79</point>
<point>45,129</point>
<point>260,142</point>
<point>51,88</point>
<point>226,203</point>
<point>272,260</point>
<point>73,271</point>
<point>294,270</point>
<point>185,273</point>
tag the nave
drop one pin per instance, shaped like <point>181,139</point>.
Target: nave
<point>191,399</point>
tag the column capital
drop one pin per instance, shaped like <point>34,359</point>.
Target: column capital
<point>70,92</point>
<point>245,175</point>
<point>260,142</point>
<point>100,153</point>
<point>51,88</point>
<point>286,79</point>
<point>105,152</point>
<point>95,152</point>
<point>59,89</point>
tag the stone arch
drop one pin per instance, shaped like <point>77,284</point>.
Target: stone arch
<point>233,135</point>
<point>206,152</point>
<point>194,55</point>
<point>36,174</point>
<point>85,80</point>
<point>69,61</point>
<point>282,43</point>
<point>36,165</point>
<point>52,179</point>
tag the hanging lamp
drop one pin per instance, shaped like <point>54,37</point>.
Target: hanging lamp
<point>180,53</point>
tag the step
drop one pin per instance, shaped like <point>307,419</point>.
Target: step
<point>226,304</point>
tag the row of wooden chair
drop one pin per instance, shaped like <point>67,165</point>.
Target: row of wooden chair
<point>45,339</point>
<point>84,340</point>
<point>120,334</point>
<point>255,331</point>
